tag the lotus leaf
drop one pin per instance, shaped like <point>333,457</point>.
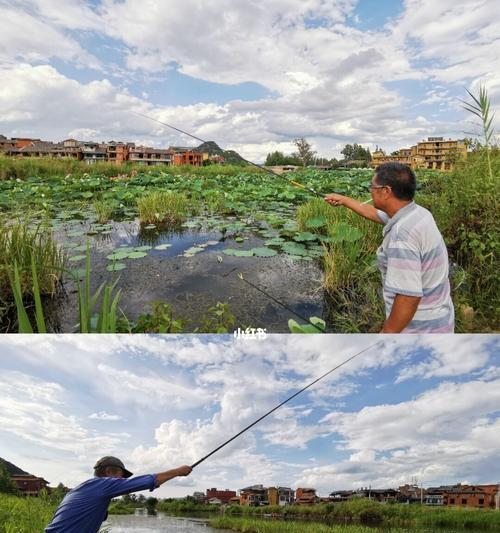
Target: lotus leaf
<point>264,252</point>
<point>162,246</point>
<point>116,266</point>
<point>76,258</point>
<point>305,236</point>
<point>136,255</point>
<point>316,222</point>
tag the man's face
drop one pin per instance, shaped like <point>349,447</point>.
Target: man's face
<point>378,193</point>
<point>114,471</point>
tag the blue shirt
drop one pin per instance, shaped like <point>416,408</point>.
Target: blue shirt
<point>85,508</point>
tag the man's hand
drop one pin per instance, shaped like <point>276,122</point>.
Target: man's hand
<point>183,470</point>
<point>364,210</point>
<point>402,312</point>
<point>336,199</point>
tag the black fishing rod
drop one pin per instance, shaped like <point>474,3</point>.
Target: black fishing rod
<point>268,170</point>
<point>284,402</point>
<point>270,296</point>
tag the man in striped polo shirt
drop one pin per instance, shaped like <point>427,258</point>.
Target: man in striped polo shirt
<point>413,258</point>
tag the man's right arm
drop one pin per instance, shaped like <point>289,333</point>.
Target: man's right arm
<point>364,210</point>
<point>162,477</point>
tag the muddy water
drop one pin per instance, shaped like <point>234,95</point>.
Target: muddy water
<point>193,284</point>
<point>157,524</point>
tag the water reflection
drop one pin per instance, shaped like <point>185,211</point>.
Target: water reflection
<point>158,524</point>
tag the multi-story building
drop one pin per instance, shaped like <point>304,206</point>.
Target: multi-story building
<point>149,156</point>
<point>280,496</point>
<point>480,496</point>
<point>223,495</point>
<point>306,496</point>
<point>254,495</point>
<point>434,153</point>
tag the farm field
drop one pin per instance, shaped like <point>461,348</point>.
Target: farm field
<point>170,246</point>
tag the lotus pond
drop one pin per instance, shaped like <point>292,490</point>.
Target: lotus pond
<point>228,226</point>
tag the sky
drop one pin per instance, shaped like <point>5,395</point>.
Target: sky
<point>424,407</point>
<point>252,76</point>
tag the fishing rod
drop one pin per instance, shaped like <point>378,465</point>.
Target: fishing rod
<point>240,275</point>
<point>285,401</point>
<point>268,170</point>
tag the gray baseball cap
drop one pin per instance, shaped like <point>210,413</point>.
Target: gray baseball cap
<point>112,461</point>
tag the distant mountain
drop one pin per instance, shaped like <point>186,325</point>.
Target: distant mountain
<point>230,156</point>
<point>12,469</point>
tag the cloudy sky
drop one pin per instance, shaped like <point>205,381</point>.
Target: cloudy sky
<point>250,75</point>
<point>427,407</point>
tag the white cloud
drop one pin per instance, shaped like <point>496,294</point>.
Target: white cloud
<point>26,36</point>
<point>35,410</point>
<point>106,417</point>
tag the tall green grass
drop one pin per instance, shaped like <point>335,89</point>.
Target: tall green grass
<point>27,248</point>
<point>22,168</point>
<point>24,515</point>
<point>163,206</point>
<point>104,210</point>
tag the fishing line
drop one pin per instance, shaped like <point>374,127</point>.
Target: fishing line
<point>268,170</point>
<point>285,401</point>
<point>256,287</point>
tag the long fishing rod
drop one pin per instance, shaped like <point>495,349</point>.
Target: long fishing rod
<point>286,401</point>
<point>268,170</point>
<point>270,296</point>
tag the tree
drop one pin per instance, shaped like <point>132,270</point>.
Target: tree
<point>305,154</point>
<point>58,493</point>
<point>7,486</point>
<point>356,155</point>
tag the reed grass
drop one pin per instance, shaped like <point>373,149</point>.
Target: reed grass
<point>163,206</point>
<point>28,248</point>
<point>104,210</point>
<point>273,526</point>
<point>23,515</point>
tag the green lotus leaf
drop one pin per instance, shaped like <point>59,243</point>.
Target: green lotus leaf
<point>264,252</point>
<point>136,255</point>
<point>305,236</point>
<point>76,258</point>
<point>162,246</point>
<point>115,267</point>
<point>316,222</point>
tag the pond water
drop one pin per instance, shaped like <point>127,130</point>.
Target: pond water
<point>157,524</point>
<point>163,523</point>
<point>187,268</point>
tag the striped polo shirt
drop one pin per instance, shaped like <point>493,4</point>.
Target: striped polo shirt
<point>413,260</point>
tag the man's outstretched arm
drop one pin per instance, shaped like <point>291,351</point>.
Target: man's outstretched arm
<point>162,477</point>
<point>364,210</point>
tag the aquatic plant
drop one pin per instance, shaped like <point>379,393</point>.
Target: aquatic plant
<point>104,209</point>
<point>163,206</point>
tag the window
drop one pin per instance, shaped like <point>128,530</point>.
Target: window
<point>481,501</point>
<point>452,501</point>
<point>464,501</point>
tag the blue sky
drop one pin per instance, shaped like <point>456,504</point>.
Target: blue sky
<point>252,76</point>
<point>411,407</point>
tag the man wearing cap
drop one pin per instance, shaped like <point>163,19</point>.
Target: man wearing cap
<point>85,507</point>
<point>413,258</point>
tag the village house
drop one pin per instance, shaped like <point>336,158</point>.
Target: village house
<point>223,495</point>
<point>253,496</point>
<point>434,153</point>
<point>149,156</point>
<point>280,496</point>
<point>306,496</point>
<point>478,496</point>
<point>27,484</point>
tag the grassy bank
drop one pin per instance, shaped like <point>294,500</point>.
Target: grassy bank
<point>369,513</point>
<point>254,525</point>
<point>23,515</point>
